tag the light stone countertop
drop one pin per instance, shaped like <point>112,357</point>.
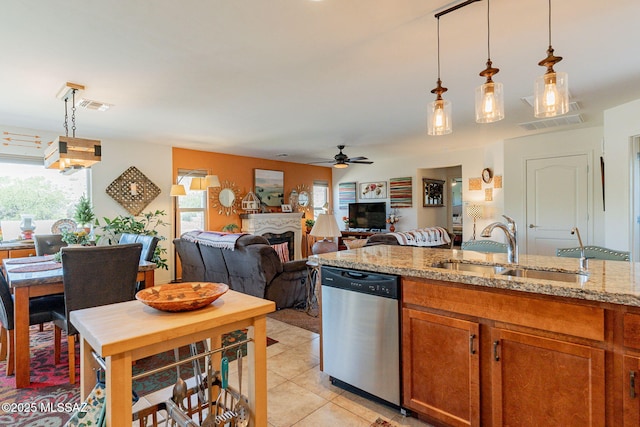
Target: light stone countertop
<point>615,282</point>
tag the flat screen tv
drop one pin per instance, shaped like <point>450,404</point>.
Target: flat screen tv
<point>372,216</point>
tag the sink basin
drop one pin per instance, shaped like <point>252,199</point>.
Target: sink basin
<point>559,276</point>
<point>475,268</point>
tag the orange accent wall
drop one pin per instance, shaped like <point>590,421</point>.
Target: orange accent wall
<point>239,171</point>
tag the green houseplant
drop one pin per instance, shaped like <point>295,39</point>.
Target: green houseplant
<point>84,215</point>
<point>230,228</point>
<point>309,224</point>
<point>75,237</point>
<point>145,223</point>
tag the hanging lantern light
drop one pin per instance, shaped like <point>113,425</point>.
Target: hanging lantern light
<point>489,96</point>
<point>551,90</point>
<point>439,111</point>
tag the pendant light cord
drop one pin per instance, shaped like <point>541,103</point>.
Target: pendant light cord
<point>438,48</point>
<point>549,23</point>
<point>488,33</point>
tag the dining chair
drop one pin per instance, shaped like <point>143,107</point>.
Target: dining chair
<point>484,246</point>
<point>594,252</point>
<point>48,244</point>
<point>93,276</point>
<point>149,244</point>
<point>40,311</point>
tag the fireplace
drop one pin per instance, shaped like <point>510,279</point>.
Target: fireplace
<point>277,228</point>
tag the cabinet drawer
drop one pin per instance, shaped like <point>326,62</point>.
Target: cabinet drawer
<point>632,330</point>
<point>548,315</point>
<point>20,253</point>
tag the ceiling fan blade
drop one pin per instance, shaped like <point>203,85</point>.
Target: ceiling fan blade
<point>324,161</point>
<point>363,162</point>
<point>358,158</point>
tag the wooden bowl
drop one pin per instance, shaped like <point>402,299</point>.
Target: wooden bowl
<point>182,296</point>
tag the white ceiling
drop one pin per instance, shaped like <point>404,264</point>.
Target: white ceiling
<point>265,77</point>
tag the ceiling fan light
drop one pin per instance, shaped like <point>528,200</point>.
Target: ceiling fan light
<point>439,117</point>
<point>340,165</point>
<point>551,95</point>
<point>489,102</point>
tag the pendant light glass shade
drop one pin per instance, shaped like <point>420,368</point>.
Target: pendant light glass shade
<point>551,91</point>
<point>551,95</point>
<point>489,103</point>
<point>489,96</point>
<point>439,117</point>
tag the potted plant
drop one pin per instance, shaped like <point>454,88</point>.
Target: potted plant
<point>145,223</point>
<point>309,224</point>
<point>75,238</point>
<point>84,215</point>
<point>230,228</point>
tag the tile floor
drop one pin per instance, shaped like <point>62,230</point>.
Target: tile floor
<point>299,394</point>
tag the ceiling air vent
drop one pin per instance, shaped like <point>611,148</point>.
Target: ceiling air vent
<point>552,122</point>
<point>93,105</point>
<point>573,106</point>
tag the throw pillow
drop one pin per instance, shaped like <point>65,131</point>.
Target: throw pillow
<point>282,249</point>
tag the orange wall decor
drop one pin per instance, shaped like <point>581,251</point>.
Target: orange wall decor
<point>240,171</point>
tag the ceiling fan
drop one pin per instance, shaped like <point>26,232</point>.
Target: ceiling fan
<point>341,160</point>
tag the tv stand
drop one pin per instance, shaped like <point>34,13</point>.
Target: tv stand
<point>356,235</point>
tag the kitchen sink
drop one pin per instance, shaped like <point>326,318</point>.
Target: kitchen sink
<point>560,276</point>
<point>475,268</point>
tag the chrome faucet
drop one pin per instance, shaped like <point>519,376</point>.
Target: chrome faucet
<point>583,259</point>
<point>511,231</point>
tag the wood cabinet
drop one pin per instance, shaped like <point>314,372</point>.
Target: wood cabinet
<point>538,381</point>
<point>441,375</point>
<point>473,357</point>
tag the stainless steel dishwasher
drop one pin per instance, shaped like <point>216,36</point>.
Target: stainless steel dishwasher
<point>361,331</point>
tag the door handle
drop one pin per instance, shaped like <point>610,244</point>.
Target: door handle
<point>532,226</point>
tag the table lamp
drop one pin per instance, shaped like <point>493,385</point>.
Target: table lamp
<point>474,212</point>
<point>325,226</point>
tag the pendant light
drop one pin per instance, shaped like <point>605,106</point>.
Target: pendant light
<point>439,111</point>
<point>489,96</point>
<point>551,90</point>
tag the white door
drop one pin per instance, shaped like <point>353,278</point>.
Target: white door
<point>557,200</point>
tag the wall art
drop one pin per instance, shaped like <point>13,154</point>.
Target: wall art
<point>346,194</point>
<point>433,192</point>
<point>373,190</point>
<point>401,192</point>
<point>133,190</point>
<point>269,187</point>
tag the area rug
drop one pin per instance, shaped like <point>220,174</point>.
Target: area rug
<point>382,423</point>
<point>299,318</point>
<point>50,399</point>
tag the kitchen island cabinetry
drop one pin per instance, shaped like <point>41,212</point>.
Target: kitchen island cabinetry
<point>463,347</point>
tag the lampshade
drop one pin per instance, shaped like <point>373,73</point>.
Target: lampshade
<point>198,184</point>
<point>340,165</point>
<point>474,211</point>
<point>177,190</point>
<point>212,181</point>
<point>326,226</point>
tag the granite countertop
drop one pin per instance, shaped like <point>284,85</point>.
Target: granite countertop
<point>615,282</point>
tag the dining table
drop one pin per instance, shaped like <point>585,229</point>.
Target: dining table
<point>35,276</point>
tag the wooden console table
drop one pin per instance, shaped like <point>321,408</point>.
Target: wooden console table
<point>108,331</point>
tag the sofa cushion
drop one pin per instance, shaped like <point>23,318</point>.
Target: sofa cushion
<point>282,249</point>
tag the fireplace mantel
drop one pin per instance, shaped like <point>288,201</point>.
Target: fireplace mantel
<point>276,223</point>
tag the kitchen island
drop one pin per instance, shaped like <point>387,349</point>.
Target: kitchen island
<point>485,342</point>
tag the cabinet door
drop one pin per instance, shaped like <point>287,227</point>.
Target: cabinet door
<point>441,367</point>
<point>631,390</point>
<point>545,382</point>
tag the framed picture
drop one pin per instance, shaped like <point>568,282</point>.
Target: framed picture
<point>433,192</point>
<point>373,190</point>
<point>269,187</point>
<point>401,192</point>
<point>286,208</point>
<point>346,194</point>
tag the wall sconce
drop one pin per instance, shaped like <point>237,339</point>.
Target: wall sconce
<point>69,153</point>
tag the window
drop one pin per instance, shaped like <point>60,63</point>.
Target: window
<point>192,208</point>
<point>26,187</point>
<point>320,197</point>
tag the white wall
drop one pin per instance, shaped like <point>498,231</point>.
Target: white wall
<point>621,124</point>
<point>518,150</point>
<point>117,156</point>
<point>413,163</point>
